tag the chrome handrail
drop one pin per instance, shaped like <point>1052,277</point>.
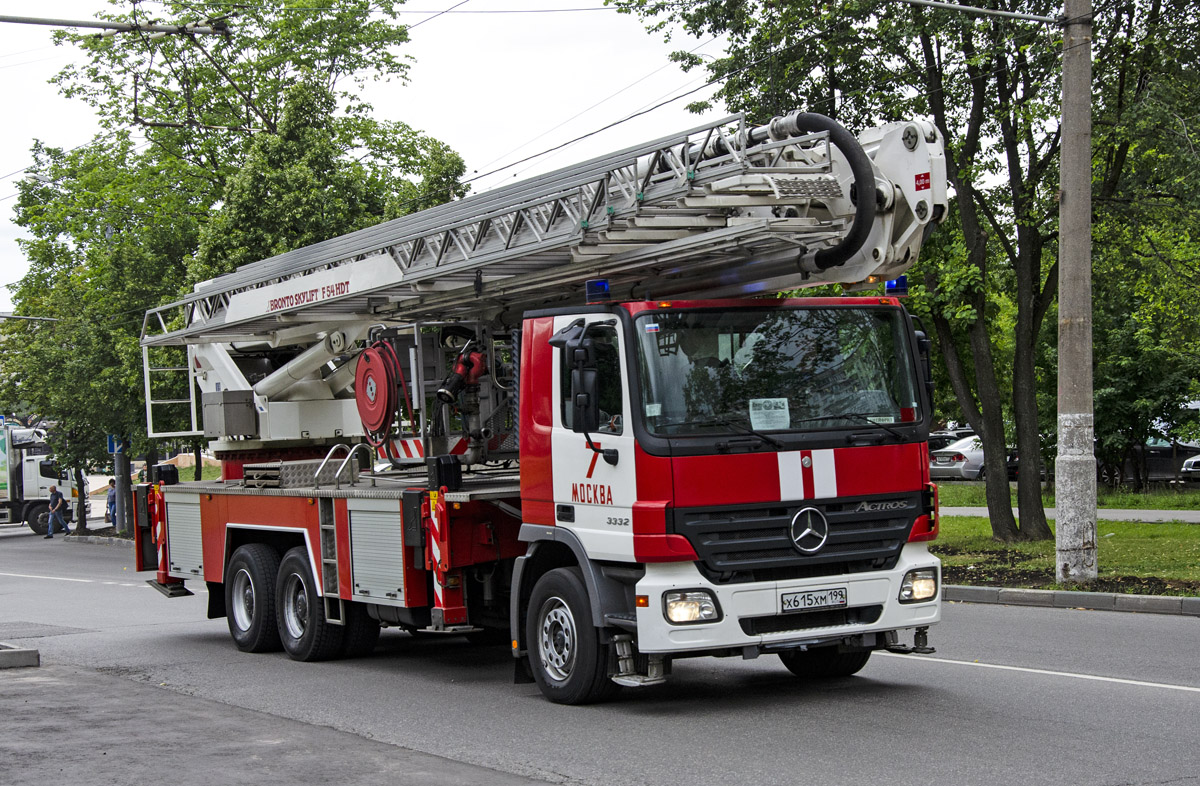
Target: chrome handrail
<point>329,455</point>
<point>337,476</point>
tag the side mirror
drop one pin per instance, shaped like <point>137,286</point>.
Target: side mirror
<point>585,399</point>
<point>580,354</point>
<point>924,349</point>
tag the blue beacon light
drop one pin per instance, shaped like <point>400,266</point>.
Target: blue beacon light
<point>596,291</point>
<point>898,287</point>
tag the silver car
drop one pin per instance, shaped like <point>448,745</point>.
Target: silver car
<point>961,460</point>
<point>1191,469</point>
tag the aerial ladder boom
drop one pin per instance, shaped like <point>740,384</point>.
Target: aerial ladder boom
<point>768,206</point>
<point>723,209</point>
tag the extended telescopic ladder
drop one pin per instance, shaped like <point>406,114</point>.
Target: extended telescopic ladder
<point>671,216</point>
<point>718,210</point>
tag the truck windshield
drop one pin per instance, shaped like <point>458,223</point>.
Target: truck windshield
<point>708,372</point>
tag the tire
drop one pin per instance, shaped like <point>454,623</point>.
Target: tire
<point>33,518</point>
<point>824,663</point>
<point>1110,476</point>
<point>250,598</point>
<point>303,629</point>
<point>982,474</point>
<point>361,632</point>
<point>568,662</point>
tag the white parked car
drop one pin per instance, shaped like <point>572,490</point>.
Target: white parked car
<point>961,460</point>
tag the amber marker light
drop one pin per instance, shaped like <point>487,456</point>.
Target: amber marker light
<point>664,304</point>
<point>641,601</point>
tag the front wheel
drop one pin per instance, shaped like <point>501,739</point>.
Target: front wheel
<point>824,662</point>
<point>303,629</point>
<point>569,663</point>
<point>250,597</point>
<point>33,517</point>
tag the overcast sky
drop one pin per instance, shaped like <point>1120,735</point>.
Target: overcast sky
<point>495,87</point>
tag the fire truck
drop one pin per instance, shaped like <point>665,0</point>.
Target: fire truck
<point>573,414</point>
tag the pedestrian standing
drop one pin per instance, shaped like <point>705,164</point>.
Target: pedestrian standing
<point>58,507</point>
<point>110,509</point>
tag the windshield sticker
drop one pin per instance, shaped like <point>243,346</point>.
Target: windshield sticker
<point>769,413</point>
<point>881,418</point>
<point>651,327</point>
<point>653,410</point>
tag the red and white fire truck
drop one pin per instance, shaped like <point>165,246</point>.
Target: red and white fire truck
<point>573,413</point>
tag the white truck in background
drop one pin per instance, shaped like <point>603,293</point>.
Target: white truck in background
<point>27,470</point>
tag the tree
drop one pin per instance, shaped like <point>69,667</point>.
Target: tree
<point>990,86</point>
<point>1146,206</point>
<point>118,227</point>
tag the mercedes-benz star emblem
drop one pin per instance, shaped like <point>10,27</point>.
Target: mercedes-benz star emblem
<point>809,530</point>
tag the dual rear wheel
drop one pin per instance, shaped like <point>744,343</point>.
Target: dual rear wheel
<point>272,603</point>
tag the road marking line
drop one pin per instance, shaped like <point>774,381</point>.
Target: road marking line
<point>48,578</point>
<point>1073,675</point>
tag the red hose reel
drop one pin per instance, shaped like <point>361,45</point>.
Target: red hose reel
<point>378,384</point>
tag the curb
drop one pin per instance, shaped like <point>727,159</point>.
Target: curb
<point>16,657</point>
<point>1064,599</point>
<point>104,541</point>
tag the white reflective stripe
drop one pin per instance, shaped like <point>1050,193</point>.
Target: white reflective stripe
<point>791,476</point>
<point>824,474</point>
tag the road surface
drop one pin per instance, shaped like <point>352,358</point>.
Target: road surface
<point>1013,696</point>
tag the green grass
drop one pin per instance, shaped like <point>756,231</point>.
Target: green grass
<point>1133,557</point>
<point>1173,496</point>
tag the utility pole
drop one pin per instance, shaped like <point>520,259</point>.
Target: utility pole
<point>1075,469</point>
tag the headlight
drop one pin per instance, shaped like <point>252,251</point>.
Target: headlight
<point>690,606</point>
<point>919,585</point>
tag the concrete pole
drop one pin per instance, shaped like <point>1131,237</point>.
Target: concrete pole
<point>123,514</point>
<point>1075,469</point>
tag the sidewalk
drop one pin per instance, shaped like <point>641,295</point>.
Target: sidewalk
<point>62,724</point>
<point>1102,514</point>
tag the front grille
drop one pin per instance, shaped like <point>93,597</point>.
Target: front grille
<point>807,620</point>
<point>752,543</point>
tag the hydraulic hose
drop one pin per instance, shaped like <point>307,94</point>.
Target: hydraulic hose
<point>799,123</point>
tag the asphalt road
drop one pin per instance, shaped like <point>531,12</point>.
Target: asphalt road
<point>1013,695</point>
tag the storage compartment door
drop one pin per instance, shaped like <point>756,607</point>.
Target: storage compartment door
<point>377,550</point>
<point>184,545</point>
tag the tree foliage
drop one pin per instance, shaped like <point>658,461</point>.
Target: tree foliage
<point>991,87</point>
<point>254,143</point>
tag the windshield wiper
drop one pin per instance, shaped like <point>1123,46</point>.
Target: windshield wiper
<point>724,420</point>
<point>862,418</point>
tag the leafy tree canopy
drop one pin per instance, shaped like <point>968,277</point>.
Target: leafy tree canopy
<point>991,87</point>
<point>256,142</point>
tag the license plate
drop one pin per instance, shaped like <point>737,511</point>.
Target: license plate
<point>943,459</point>
<point>813,599</point>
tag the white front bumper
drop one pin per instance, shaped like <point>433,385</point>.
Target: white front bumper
<point>762,599</point>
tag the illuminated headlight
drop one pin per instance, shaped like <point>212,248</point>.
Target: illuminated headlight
<point>690,606</point>
<point>919,585</point>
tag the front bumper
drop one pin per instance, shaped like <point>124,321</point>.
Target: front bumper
<point>751,609</point>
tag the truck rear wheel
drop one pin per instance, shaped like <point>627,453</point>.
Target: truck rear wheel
<point>250,598</point>
<point>33,517</point>
<point>303,629</point>
<point>568,661</point>
<point>824,662</point>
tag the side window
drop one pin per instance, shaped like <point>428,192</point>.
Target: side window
<point>608,367</point>
<point>48,469</point>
